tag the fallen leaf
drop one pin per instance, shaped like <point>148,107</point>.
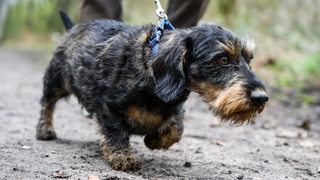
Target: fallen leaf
<point>60,174</point>
<point>306,125</point>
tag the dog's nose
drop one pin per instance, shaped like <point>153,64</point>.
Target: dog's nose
<point>259,97</point>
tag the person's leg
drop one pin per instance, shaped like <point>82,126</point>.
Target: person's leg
<point>186,13</point>
<point>100,9</point>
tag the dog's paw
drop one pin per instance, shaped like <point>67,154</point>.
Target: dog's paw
<point>45,132</point>
<point>157,143</point>
<point>123,160</point>
<point>162,142</point>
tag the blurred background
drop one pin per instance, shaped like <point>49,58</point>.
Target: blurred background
<point>283,143</point>
<point>287,34</point>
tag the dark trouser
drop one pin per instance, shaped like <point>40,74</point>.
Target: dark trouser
<point>100,9</point>
<point>181,13</point>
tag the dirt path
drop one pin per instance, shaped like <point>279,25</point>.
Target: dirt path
<point>275,147</point>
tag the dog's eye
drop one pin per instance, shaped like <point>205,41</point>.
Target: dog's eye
<point>224,61</point>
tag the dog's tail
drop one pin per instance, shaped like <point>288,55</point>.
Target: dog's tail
<point>68,24</point>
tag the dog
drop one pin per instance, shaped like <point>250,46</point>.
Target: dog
<point>110,68</point>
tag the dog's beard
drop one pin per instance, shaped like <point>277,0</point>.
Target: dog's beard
<point>237,117</point>
<point>230,104</point>
<point>233,105</point>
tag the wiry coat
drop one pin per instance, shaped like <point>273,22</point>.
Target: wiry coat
<point>110,68</point>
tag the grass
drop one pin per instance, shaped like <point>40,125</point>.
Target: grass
<point>297,73</point>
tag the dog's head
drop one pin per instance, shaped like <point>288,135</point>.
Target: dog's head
<point>213,62</point>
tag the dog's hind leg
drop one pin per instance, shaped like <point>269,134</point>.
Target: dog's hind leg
<point>53,89</point>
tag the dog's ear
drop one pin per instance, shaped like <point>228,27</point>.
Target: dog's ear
<point>168,68</point>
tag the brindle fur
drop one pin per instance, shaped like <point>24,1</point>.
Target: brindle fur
<point>109,67</point>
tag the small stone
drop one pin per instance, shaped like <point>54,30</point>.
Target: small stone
<point>306,143</point>
<point>286,134</point>
<point>303,134</point>
<point>241,176</point>
<point>214,123</point>
<point>26,147</point>
<point>266,126</point>
<point>94,178</point>
<point>187,164</point>
<point>220,143</point>
<point>256,178</point>
<point>286,143</point>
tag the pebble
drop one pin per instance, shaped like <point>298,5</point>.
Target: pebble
<point>26,147</point>
<point>187,164</point>
<point>220,143</point>
<point>306,143</point>
<point>286,134</point>
<point>94,178</point>
<point>241,176</point>
<point>292,134</point>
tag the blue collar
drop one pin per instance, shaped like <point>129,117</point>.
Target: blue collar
<point>156,35</point>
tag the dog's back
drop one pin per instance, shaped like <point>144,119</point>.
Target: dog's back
<point>103,51</point>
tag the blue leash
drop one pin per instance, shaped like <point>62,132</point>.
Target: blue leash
<point>163,24</point>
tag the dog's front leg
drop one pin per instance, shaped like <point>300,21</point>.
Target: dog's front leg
<point>168,134</point>
<point>114,141</point>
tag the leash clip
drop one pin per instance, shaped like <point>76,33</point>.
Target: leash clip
<point>160,12</point>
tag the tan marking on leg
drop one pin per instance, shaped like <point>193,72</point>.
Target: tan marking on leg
<point>45,130</point>
<point>141,117</point>
<point>46,114</point>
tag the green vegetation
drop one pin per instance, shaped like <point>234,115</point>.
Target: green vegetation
<point>297,73</point>
<point>35,18</point>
